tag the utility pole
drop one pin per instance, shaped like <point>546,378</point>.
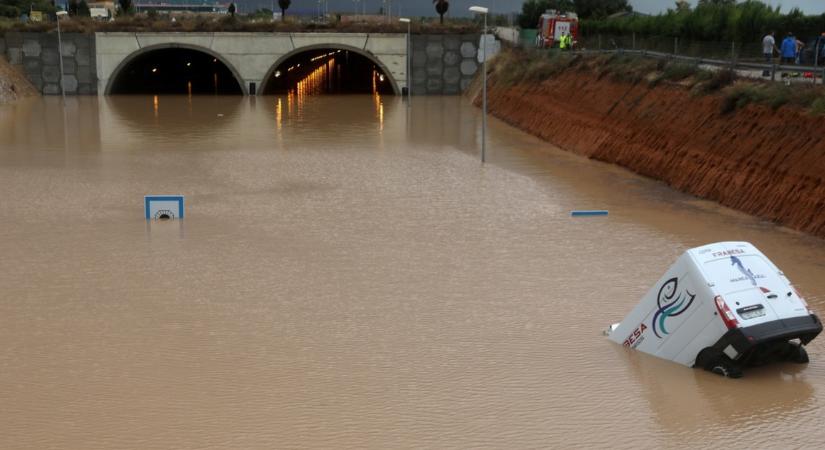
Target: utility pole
<point>483,11</point>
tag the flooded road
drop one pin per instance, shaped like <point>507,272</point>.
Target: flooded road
<point>349,275</point>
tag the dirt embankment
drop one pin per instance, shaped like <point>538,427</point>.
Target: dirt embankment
<point>754,159</point>
<point>13,84</point>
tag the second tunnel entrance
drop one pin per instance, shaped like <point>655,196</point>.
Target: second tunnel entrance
<point>328,71</point>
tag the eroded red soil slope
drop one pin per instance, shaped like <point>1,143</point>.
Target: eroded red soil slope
<point>764,162</point>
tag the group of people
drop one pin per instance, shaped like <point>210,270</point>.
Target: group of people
<point>789,50</point>
<point>566,41</point>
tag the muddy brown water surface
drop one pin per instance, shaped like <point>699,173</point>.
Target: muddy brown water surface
<point>349,275</point>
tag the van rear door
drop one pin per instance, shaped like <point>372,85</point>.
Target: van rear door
<point>753,289</point>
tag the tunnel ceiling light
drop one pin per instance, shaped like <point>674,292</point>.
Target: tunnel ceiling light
<point>214,60</point>
<point>381,77</point>
<point>277,73</point>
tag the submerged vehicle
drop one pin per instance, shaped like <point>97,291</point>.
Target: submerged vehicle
<point>721,307</point>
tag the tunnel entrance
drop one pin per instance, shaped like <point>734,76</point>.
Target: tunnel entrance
<point>328,71</point>
<point>175,71</point>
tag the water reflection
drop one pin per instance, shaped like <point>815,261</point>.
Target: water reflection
<point>695,402</point>
<point>153,117</point>
<point>48,125</point>
<point>182,113</point>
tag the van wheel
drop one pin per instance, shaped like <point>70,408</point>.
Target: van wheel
<point>725,367</point>
<point>798,355</point>
<point>707,357</point>
<point>717,362</point>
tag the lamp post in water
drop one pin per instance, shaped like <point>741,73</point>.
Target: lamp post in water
<point>409,56</point>
<point>60,14</point>
<point>482,10</point>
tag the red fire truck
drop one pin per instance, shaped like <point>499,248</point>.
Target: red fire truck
<point>553,25</point>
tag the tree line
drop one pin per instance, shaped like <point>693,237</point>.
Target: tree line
<point>713,20</point>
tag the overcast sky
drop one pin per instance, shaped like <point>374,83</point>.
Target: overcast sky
<point>459,7</point>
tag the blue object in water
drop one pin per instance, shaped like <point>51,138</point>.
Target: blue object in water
<point>595,212</point>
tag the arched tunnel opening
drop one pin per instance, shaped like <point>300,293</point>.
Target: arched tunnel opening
<point>328,71</point>
<point>175,71</point>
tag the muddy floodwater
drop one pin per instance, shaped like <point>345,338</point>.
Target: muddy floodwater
<point>348,275</point>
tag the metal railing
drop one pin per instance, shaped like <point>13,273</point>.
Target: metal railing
<point>746,59</point>
<point>749,69</point>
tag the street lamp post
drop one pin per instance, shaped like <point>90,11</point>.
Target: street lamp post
<point>409,58</point>
<point>482,10</point>
<point>60,14</point>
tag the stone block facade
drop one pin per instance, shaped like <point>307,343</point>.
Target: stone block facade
<point>39,56</point>
<point>443,64</point>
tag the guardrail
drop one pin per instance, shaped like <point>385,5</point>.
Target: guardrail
<point>771,69</point>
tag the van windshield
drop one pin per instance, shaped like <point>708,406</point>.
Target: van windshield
<point>736,273</point>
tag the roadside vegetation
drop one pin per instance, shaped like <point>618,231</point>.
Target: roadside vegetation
<point>528,67</point>
<point>226,23</point>
<point>203,23</point>
<point>712,20</point>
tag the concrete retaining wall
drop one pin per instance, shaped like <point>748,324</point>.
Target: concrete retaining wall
<point>443,64</point>
<point>38,54</point>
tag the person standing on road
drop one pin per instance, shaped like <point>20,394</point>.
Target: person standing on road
<point>563,42</point>
<point>788,49</point>
<point>769,46</point>
<point>799,46</point>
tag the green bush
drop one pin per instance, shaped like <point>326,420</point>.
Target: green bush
<point>715,81</point>
<point>774,95</point>
<point>9,11</point>
<point>745,21</point>
<point>679,71</point>
<point>818,106</point>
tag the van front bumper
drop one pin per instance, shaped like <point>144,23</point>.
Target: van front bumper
<point>743,344</point>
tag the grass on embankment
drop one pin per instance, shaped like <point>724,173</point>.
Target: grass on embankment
<point>514,66</point>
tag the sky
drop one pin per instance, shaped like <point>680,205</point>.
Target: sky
<point>459,7</point>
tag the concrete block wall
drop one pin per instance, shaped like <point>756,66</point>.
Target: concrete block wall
<point>443,64</point>
<point>38,54</point>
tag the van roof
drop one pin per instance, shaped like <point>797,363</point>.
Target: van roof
<point>734,266</point>
<point>718,250</point>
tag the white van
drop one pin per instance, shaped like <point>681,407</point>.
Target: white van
<point>721,307</point>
